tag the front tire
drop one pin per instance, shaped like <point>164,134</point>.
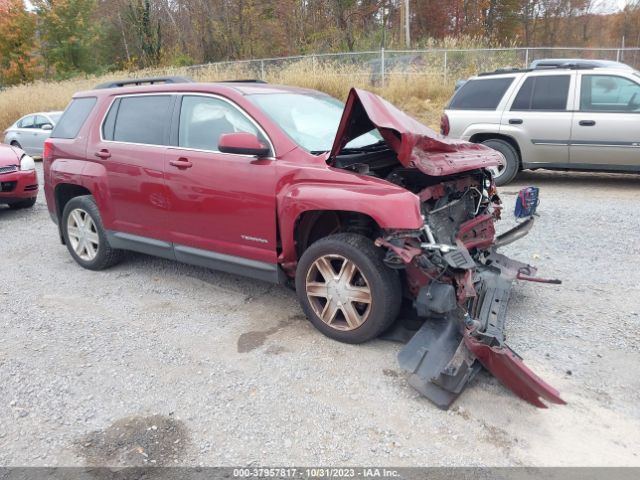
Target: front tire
<point>16,144</point>
<point>506,174</point>
<point>345,289</point>
<point>85,236</point>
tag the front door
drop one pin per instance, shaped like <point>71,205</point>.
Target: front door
<point>606,128</point>
<point>222,207</point>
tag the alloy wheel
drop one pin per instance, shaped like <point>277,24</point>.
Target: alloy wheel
<point>338,292</point>
<point>83,234</point>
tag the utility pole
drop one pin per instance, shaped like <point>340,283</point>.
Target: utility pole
<point>407,30</point>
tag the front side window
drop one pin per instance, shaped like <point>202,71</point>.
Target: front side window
<point>542,93</point>
<point>40,121</point>
<point>139,119</point>
<point>608,93</point>
<point>204,119</point>
<point>480,94</point>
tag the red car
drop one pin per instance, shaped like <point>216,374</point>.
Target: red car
<point>360,207</point>
<point>18,179</point>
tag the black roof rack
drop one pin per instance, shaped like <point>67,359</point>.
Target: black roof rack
<point>543,66</point>
<point>248,80</point>
<point>143,81</point>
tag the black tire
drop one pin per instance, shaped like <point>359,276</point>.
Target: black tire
<point>105,256</point>
<point>16,144</point>
<point>383,284</point>
<point>24,204</point>
<point>512,165</point>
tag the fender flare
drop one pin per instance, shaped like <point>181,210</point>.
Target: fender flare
<point>389,206</point>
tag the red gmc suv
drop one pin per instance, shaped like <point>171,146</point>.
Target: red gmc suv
<point>359,205</point>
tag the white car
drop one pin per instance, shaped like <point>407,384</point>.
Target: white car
<point>567,116</point>
<point>30,132</point>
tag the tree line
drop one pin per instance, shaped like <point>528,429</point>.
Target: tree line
<point>62,38</point>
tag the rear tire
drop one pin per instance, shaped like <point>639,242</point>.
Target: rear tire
<point>24,204</point>
<point>512,160</point>
<point>345,289</point>
<point>85,236</point>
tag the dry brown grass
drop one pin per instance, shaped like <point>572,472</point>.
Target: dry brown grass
<point>421,95</point>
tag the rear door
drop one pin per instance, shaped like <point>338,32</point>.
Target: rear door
<point>25,133</point>
<point>222,205</point>
<point>539,118</point>
<point>132,145</point>
<point>606,126</point>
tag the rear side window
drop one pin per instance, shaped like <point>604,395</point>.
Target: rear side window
<point>547,92</point>
<point>73,118</point>
<point>27,122</point>
<point>138,119</point>
<point>480,94</point>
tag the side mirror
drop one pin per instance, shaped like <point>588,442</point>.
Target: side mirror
<point>242,143</point>
<point>47,126</point>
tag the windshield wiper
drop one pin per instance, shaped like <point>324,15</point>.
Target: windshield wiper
<point>379,145</point>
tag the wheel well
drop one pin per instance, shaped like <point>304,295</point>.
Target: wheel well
<point>481,137</point>
<point>65,192</point>
<point>316,224</point>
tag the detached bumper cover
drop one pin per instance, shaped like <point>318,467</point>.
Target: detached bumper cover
<point>445,353</point>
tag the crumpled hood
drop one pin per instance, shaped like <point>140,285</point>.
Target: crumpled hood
<point>10,155</point>
<point>415,144</point>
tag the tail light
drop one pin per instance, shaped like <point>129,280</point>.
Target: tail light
<point>444,125</point>
<point>48,150</point>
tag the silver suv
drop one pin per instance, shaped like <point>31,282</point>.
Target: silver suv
<point>574,116</point>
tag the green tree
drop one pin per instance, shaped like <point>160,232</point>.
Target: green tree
<point>69,34</point>
<point>147,33</point>
<point>17,27</point>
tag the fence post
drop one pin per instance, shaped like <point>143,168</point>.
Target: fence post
<point>262,69</point>
<point>526,58</point>
<point>382,66</point>
<point>445,67</point>
<point>313,64</point>
<point>618,55</point>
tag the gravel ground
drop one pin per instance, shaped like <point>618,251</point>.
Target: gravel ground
<point>153,362</point>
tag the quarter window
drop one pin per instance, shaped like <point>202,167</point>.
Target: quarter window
<point>480,94</point>
<point>548,92</point>
<point>608,93</point>
<point>204,119</point>
<point>139,119</point>
<point>74,117</point>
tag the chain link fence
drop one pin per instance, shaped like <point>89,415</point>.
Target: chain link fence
<point>445,64</point>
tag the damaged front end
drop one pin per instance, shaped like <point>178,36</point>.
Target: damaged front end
<point>455,277</point>
<point>461,284</point>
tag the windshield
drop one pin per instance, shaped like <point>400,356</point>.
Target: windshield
<point>310,120</point>
<point>55,117</point>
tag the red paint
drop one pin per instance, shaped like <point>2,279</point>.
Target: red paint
<point>26,185</point>
<point>415,144</point>
<point>232,203</point>
<point>509,368</point>
<point>478,232</point>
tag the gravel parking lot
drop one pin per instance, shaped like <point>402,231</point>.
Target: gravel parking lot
<point>153,362</point>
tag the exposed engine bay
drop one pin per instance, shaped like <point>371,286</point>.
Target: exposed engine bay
<point>456,281</point>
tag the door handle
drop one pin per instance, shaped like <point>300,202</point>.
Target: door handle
<point>104,154</point>
<point>515,121</point>
<point>587,123</point>
<point>182,162</point>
